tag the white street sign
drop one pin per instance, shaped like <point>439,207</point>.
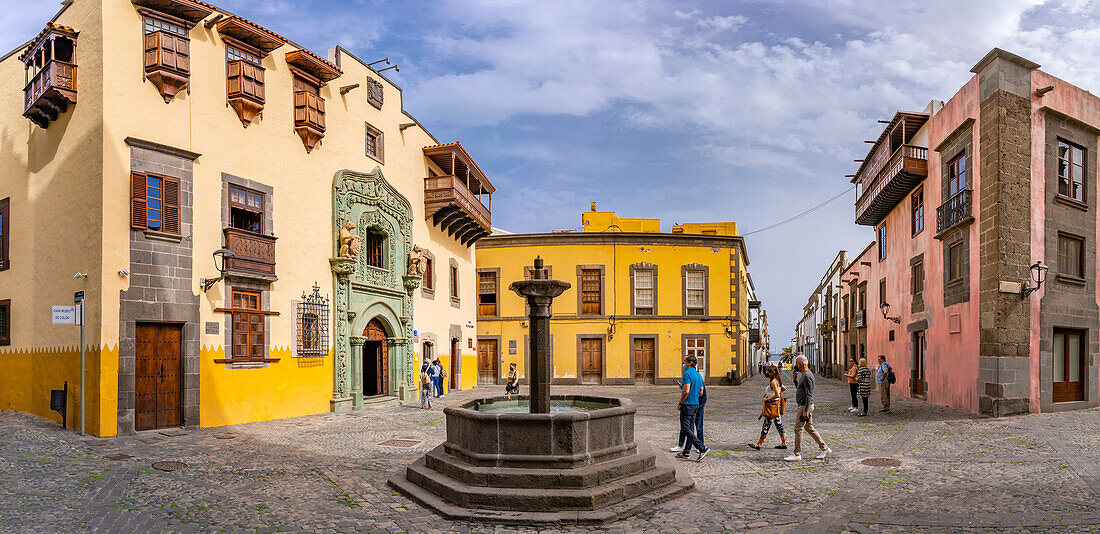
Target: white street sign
<point>66,315</point>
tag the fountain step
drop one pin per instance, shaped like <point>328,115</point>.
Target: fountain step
<point>538,498</point>
<point>511,477</point>
<point>655,495</point>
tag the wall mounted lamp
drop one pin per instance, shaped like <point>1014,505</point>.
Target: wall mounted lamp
<point>1039,273</point>
<point>220,256</point>
<point>610,327</point>
<point>885,307</point>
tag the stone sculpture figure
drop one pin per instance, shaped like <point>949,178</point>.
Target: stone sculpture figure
<point>350,242</point>
<point>416,261</point>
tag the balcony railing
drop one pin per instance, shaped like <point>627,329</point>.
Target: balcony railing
<point>861,318</point>
<point>754,335</point>
<point>253,254</point>
<point>844,324</point>
<point>457,209</point>
<point>954,211</point>
<point>884,189</point>
<point>50,91</point>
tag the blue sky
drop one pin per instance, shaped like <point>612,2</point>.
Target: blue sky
<point>750,111</point>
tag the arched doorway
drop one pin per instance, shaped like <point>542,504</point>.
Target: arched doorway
<point>376,360</point>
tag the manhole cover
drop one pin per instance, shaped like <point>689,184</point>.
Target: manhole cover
<point>225,436</point>
<point>881,462</point>
<point>118,456</point>
<point>405,443</point>
<point>169,466</point>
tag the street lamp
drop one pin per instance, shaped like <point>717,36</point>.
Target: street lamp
<point>885,306</point>
<point>1039,273</point>
<point>220,256</point>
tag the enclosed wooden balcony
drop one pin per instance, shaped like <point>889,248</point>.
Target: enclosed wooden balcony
<point>50,74</point>
<point>454,201</point>
<point>894,166</point>
<point>253,254</point>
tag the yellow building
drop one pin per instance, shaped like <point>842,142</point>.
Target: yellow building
<point>640,301</point>
<point>143,137</point>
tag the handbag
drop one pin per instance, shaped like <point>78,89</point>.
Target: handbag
<point>771,409</point>
<point>782,405</point>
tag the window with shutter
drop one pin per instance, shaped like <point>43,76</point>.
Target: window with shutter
<point>244,80</point>
<point>167,53</point>
<point>137,200</point>
<point>5,322</point>
<point>487,294</point>
<point>248,326</point>
<point>154,203</point>
<point>591,292</point>
<point>309,111</point>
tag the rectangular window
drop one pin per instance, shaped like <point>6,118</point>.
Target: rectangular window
<point>248,326</point>
<point>881,232</point>
<point>154,203</point>
<point>916,278</point>
<point>487,294</point>
<point>246,209</point>
<point>1069,363</point>
<point>5,233</point>
<point>695,292</point>
<point>312,324</point>
<point>918,211</point>
<point>309,107</point>
<point>5,322</point>
<point>1071,170</point>
<point>881,292</point>
<point>454,281</point>
<point>591,292</point>
<point>375,148</point>
<point>955,261</point>
<point>956,175</point>
<point>429,273</point>
<point>373,244</point>
<point>1071,257</point>
<point>167,46</point>
<point>644,281</point>
<point>697,346</point>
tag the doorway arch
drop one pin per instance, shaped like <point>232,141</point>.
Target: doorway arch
<point>376,360</point>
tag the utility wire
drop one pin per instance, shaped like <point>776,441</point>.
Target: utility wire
<point>800,215</point>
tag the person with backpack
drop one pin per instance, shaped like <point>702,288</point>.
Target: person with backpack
<point>425,387</point>
<point>884,377</point>
<point>863,377</point>
<point>774,406</point>
<point>439,380</point>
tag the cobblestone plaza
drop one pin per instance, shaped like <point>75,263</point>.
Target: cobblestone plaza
<point>954,471</point>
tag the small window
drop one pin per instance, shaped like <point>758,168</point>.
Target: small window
<point>1071,257</point>
<point>955,262</point>
<point>697,346</point>
<point>918,211</point>
<point>246,209</point>
<point>591,292</point>
<point>1071,170</point>
<point>881,232</point>
<point>956,175</point>
<point>374,244</point>
<point>695,292</point>
<point>154,189</point>
<point>429,273</point>
<point>248,326</point>
<point>5,230</point>
<point>374,143</point>
<point>882,292</point>
<point>644,294</point>
<point>154,203</point>
<point>312,318</point>
<point>454,281</point>
<point>5,322</point>
<point>916,277</point>
<point>487,294</point>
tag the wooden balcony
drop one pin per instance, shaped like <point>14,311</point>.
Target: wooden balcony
<point>50,93</point>
<point>253,254</point>
<point>309,118</point>
<point>899,175</point>
<point>455,209</point>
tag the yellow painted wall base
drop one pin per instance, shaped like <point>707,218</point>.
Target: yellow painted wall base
<point>27,376</point>
<point>290,387</point>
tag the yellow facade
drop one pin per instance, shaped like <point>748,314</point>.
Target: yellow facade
<point>70,191</point>
<point>618,255</point>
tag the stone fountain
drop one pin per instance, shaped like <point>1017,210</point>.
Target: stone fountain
<point>540,458</point>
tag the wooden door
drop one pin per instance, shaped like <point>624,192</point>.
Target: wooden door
<point>591,361</point>
<point>456,364</point>
<point>917,367</point>
<point>157,391</point>
<point>643,361</point>
<point>487,358</point>
<point>1069,364</point>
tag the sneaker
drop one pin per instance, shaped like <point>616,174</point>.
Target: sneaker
<point>781,446</point>
<point>682,456</point>
<point>702,454</point>
<point>853,409</point>
<point>862,414</point>
<point>677,448</point>
<point>755,446</point>
<point>793,458</point>
<point>824,451</point>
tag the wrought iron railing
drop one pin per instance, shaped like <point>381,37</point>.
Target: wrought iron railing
<point>957,209</point>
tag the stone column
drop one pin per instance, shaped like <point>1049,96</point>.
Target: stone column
<point>540,294</point>
<point>341,346</point>
<point>1004,237</point>
<point>357,370</point>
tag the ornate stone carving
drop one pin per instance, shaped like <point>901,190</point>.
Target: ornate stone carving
<point>416,261</point>
<point>374,92</point>
<point>350,242</point>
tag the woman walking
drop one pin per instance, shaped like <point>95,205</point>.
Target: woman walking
<point>863,378</point>
<point>853,382</point>
<point>512,387</point>
<point>772,412</point>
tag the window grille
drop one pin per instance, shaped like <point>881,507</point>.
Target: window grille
<point>311,315</point>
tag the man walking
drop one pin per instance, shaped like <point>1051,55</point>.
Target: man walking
<point>689,408</point>
<point>804,396</point>
<point>883,379</point>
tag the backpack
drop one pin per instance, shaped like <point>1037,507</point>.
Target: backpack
<point>442,373</point>
<point>890,378</point>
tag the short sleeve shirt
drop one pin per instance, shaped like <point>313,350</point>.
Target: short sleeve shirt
<point>880,376</point>
<point>694,380</point>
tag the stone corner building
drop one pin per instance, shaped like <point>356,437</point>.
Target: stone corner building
<point>143,136</point>
<point>1009,164</point>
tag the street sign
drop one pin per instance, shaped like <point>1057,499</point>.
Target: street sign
<point>65,315</point>
<point>78,297</point>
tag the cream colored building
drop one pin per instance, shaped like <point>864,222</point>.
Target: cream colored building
<point>141,137</point>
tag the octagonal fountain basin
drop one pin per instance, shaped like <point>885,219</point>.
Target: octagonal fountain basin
<point>580,430</point>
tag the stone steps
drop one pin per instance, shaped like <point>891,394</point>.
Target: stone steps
<point>502,477</point>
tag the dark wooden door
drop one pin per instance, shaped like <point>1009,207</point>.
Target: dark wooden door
<point>1069,364</point>
<point>643,361</point>
<point>487,357</point>
<point>591,361</point>
<point>157,391</point>
<point>917,368</point>
<point>456,363</point>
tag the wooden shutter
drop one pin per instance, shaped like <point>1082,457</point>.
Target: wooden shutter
<point>257,82</point>
<point>300,113</point>
<point>318,109</point>
<point>235,76</point>
<point>170,222</point>
<point>152,51</point>
<point>137,200</point>
<point>183,54</point>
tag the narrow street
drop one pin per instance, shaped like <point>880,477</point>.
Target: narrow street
<point>941,471</point>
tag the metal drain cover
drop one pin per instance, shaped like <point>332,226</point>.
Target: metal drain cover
<point>169,466</point>
<point>225,436</point>
<point>118,456</point>
<point>881,462</point>
<point>404,443</point>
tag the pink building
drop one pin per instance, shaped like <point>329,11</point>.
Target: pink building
<point>966,198</point>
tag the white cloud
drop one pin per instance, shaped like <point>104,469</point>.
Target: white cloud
<point>725,23</point>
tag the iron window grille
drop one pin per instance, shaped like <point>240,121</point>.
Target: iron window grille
<point>311,321</point>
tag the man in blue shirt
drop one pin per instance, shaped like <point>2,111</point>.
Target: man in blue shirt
<point>882,377</point>
<point>689,407</point>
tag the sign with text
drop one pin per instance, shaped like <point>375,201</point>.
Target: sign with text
<point>78,296</point>
<point>66,314</point>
